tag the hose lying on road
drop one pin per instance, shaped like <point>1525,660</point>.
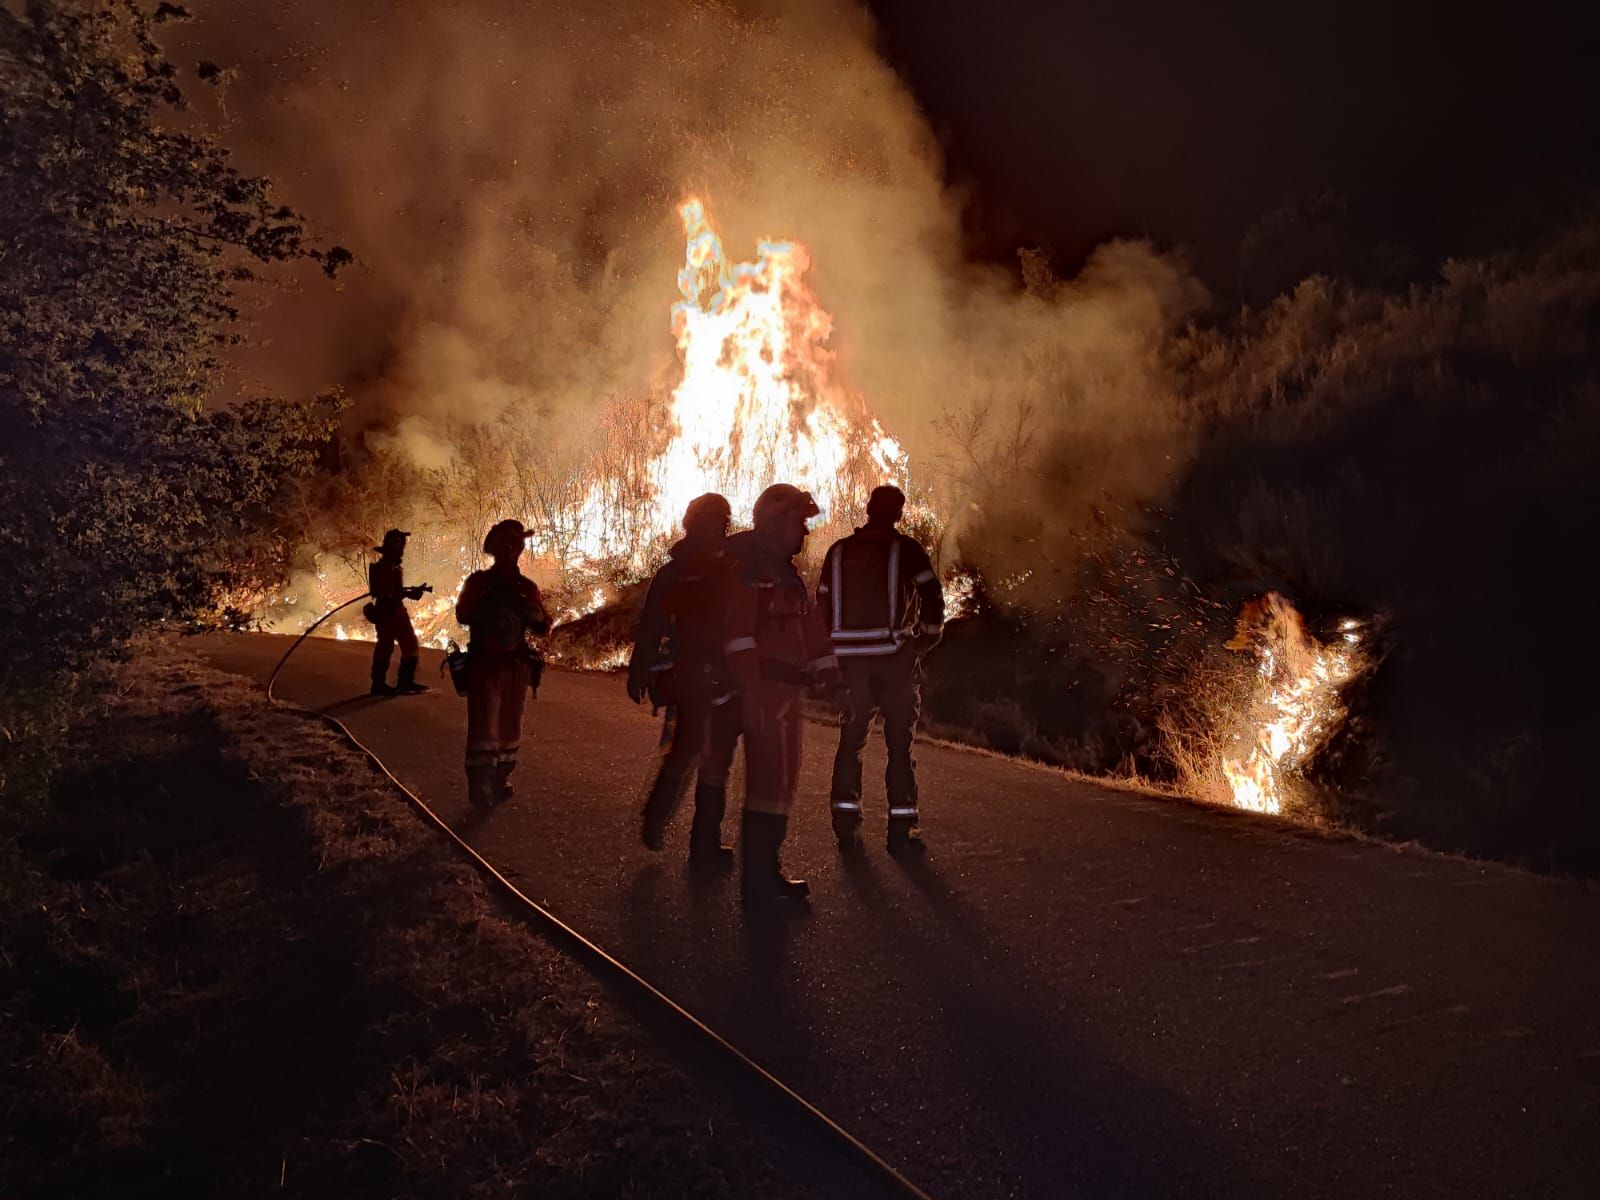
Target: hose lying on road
<point>600,961</point>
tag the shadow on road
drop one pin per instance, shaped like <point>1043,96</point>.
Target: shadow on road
<point>1082,1117</point>
<point>863,878</point>
<point>353,704</point>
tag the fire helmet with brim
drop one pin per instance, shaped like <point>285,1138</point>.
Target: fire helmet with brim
<point>710,509</point>
<point>505,537</point>
<point>778,501</point>
<point>394,539</point>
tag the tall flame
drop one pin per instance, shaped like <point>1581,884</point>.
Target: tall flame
<point>758,402</point>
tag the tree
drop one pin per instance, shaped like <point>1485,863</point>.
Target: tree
<point>124,489</point>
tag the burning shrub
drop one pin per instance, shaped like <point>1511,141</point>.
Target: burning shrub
<point>1428,456</point>
<point>1246,732</point>
<point>1424,456</point>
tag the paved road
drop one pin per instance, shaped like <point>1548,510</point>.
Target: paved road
<point>1079,991</point>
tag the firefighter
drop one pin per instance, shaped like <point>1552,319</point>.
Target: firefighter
<point>776,646</point>
<point>885,610</point>
<point>684,607</point>
<point>501,607</point>
<point>386,583</point>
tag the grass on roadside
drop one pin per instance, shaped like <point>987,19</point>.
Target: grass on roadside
<point>237,965</point>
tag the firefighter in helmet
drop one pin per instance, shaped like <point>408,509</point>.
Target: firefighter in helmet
<point>775,646</point>
<point>683,609</point>
<point>387,611</point>
<point>502,608</point>
<point>885,610</point>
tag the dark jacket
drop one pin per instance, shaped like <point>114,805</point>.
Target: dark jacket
<point>501,608</point>
<point>386,582</point>
<point>878,592</point>
<point>681,620</point>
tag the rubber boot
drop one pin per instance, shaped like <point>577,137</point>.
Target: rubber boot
<point>480,786</point>
<point>657,814</point>
<point>379,687</point>
<point>847,829</point>
<point>502,782</point>
<point>905,837</point>
<point>405,683</point>
<point>706,851</point>
<point>763,884</point>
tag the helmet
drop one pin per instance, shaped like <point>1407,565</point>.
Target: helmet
<point>778,500</point>
<point>710,508</point>
<point>394,539</point>
<point>503,535</point>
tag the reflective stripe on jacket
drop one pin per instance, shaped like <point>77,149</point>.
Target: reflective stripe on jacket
<point>879,591</point>
<point>770,629</point>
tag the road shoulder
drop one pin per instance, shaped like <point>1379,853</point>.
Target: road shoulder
<point>237,962</point>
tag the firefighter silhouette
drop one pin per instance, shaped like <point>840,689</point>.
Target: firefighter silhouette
<point>501,607</point>
<point>387,612</point>
<point>885,610</point>
<point>677,661</point>
<point>775,646</point>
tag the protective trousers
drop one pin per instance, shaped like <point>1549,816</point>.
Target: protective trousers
<point>889,684</point>
<point>497,693</point>
<point>706,732</point>
<point>774,729</point>
<point>394,627</point>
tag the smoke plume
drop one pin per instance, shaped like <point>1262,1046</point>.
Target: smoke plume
<point>508,174</point>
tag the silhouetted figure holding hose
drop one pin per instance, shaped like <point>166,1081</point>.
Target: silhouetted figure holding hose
<point>502,608</point>
<point>387,612</point>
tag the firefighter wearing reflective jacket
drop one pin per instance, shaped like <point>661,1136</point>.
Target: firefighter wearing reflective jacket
<point>501,607</point>
<point>885,610</point>
<point>776,645</point>
<point>683,608</point>
<point>387,612</point>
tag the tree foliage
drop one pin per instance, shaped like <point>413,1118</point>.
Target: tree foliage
<point>125,490</point>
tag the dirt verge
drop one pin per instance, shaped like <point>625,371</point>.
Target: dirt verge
<point>236,964</point>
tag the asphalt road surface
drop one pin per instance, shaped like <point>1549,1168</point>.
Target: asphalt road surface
<point>1078,991</point>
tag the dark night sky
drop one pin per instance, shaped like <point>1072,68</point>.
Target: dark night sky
<point>1442,128</point>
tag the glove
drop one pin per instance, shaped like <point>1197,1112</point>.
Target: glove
<point>638,684</point>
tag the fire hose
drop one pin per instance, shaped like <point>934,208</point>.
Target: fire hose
<point>601,962</point>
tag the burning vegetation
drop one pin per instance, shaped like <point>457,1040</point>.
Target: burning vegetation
<point>1113,465</point>
<point>1247,736</point>
<point>758,400</point>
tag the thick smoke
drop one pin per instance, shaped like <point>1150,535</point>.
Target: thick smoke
<point>508,176</point>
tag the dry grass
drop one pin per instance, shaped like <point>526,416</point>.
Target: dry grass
<point>237,965</point>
